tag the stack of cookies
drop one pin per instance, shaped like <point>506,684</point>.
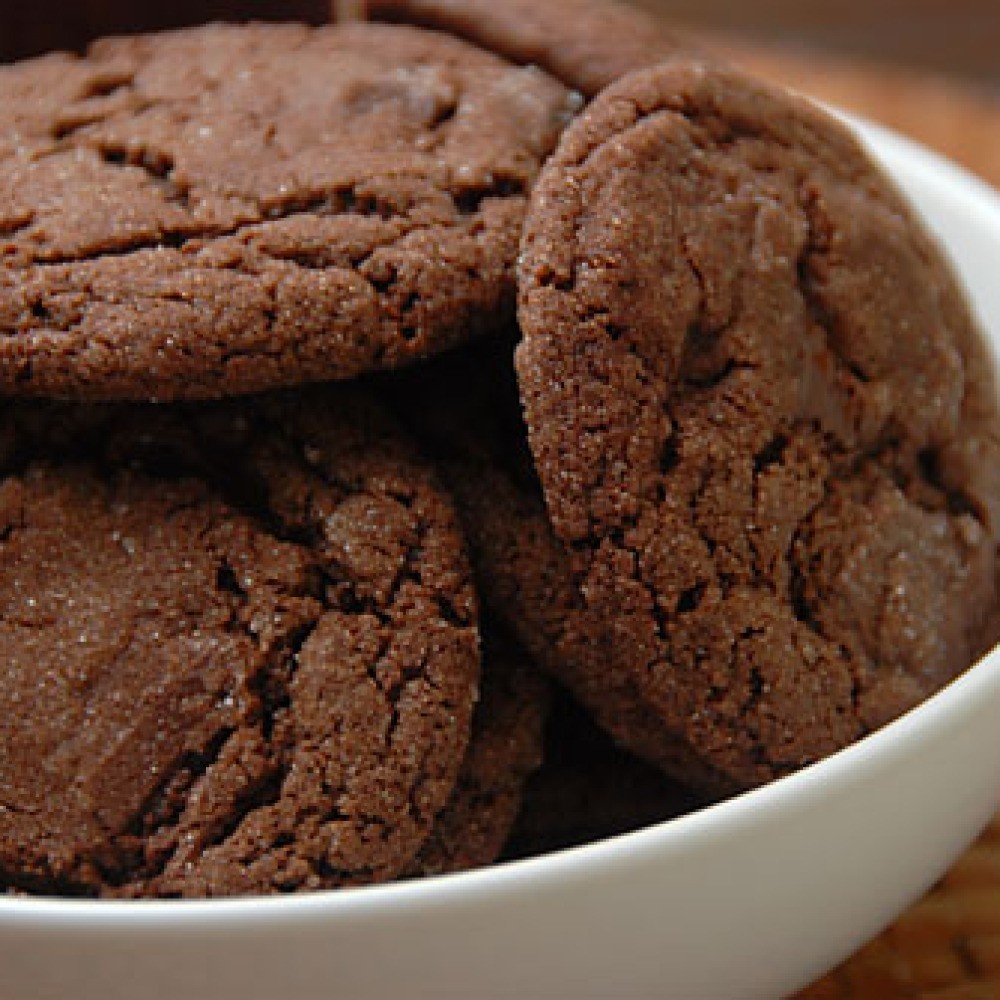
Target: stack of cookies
<point>431,441</point>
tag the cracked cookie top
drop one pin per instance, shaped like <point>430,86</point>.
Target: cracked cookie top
<point>525,577</point>
<point>238,643</point>
<point>228,209</point>
<point>761,415</point>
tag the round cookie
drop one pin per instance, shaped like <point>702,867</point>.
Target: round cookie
<point>226,209</point>
<point>504,751</point>
<point>587,44</point>
<point>755,398</point>
<point>238,643</point>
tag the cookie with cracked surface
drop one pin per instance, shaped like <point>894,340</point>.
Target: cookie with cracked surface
<point>587,44</point>
<point>505,749</point>
<point>240,650</point>
<point>755,395</point>
<point>227,209</point>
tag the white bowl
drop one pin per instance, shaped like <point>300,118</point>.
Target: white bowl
<point>750,898</point>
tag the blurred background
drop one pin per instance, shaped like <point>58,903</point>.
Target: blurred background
<point>957,37</point>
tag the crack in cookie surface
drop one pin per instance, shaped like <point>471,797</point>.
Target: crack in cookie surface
<point>226,648</point>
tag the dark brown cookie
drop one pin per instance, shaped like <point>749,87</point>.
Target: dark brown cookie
<point>227,209</point>
<point>238,643</point>
<point>504,751</point>
<point>589,789</point>
<point>754,395</point>
<point>586,44</point>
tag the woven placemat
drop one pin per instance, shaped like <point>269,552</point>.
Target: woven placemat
<point>946,946</point>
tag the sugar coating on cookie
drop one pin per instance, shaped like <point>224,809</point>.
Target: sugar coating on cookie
<point>239,649</point>
<point>761,416</point>
<point>226,209</point>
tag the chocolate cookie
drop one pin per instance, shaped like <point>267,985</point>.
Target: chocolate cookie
<point>586,44</point>
<point>754,395</point>
<point>504,751</point>
<point>239,648</point>
<point>227,209</point>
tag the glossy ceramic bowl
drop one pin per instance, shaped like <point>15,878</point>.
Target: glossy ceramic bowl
<point>750,898</point>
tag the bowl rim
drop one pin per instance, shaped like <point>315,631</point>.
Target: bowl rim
<point>769,803</point>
